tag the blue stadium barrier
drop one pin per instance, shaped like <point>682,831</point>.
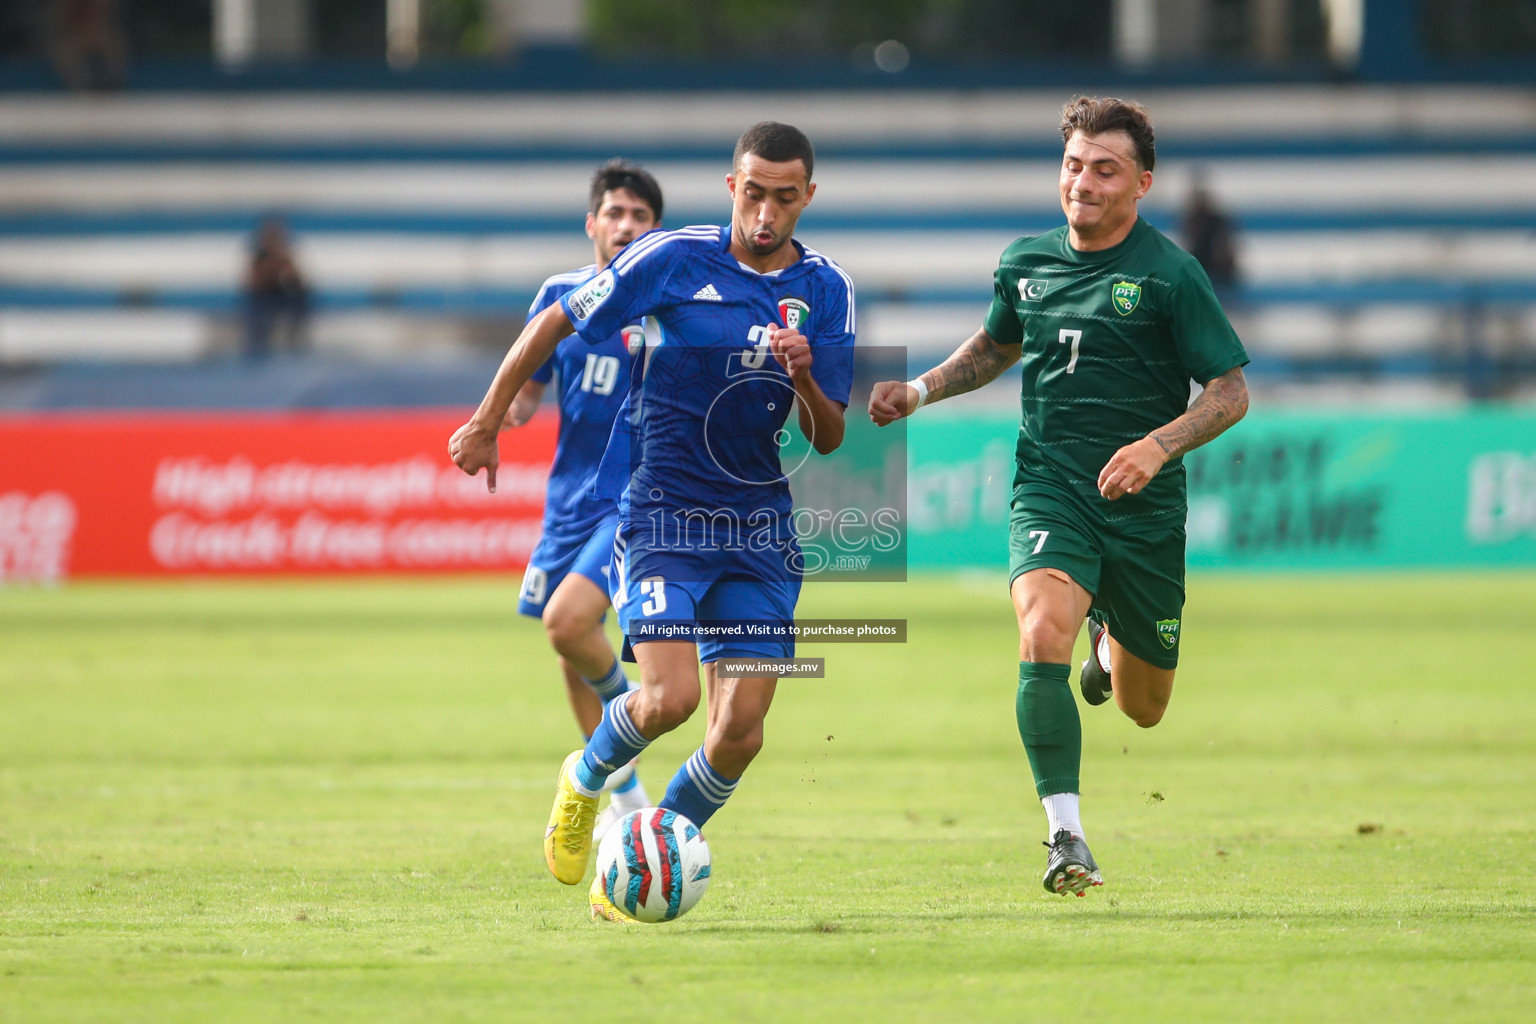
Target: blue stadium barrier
<point>514,301</point>
<point>229,383</point>
<point>1031,147</point>
<point>312,382</point>
<point>573,70</point>
<point>1024,220</point>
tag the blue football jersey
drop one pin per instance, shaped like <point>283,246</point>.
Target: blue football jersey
<point>709,402</point>
<point>592,381</point>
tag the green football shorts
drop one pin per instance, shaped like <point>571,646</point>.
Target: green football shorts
<point>1136,576</point>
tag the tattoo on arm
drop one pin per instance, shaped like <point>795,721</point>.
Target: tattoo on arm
<point>976,362</point>
<point>1221,404</point>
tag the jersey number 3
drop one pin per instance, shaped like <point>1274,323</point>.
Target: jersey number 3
<point>754,357</point>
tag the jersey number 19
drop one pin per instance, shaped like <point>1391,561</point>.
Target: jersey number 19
<point>601,374</point>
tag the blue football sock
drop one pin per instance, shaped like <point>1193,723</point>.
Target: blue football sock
<point>697,791</point>
<point>612,684</point>
<point>613,744</point>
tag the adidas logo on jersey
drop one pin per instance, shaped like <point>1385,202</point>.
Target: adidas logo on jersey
<point>708,294</point>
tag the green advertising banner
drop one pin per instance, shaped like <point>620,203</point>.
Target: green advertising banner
<point>1293,490</point>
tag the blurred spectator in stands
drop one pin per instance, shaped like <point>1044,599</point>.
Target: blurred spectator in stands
<point>1209,235</point>
<point>89,51</point>
<point>276,298</point>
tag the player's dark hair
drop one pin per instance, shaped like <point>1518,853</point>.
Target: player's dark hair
<point>617,173</point>
<point>778,143</point>
<point>1095,115</point>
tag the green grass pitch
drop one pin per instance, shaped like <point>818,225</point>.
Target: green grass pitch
<point>324,801</point>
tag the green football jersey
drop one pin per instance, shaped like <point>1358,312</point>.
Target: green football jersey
<point>1111,340</point>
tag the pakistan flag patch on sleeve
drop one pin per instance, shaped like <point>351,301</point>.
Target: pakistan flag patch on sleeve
<point>1168,632</point>
<point>1124,296</point>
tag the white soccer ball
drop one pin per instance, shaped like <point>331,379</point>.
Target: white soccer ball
<point>653,864</point>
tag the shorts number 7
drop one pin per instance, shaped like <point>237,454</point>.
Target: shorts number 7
<point>1042,534</point>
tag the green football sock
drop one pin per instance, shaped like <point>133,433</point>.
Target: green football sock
<point>1049,726</point>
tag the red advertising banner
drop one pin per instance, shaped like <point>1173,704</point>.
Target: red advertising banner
<point>249,493</point>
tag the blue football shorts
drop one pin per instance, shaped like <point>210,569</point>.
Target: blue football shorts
<point>732,604</point>
<point>556,557</point>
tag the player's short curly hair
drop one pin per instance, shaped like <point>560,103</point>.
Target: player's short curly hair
<point>779,143</point>
<point>1095,115</point>
<point>617,173</point>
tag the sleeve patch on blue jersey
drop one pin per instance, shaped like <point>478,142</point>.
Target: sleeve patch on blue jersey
<point>584,300</point>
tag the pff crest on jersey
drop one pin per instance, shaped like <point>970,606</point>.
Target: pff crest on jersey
<point>1124,296</point>
<point>793,312</point>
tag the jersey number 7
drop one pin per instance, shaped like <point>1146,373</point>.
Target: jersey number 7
<point>1074,338</point>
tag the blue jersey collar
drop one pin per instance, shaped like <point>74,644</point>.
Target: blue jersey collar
<point>791,270</point>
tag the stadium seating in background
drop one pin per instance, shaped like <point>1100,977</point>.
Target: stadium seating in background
<point>424,223</point>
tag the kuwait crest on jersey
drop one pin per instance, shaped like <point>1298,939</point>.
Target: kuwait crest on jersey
<point>634,339</point>
<point>1124,296</point>
<point>794,312</point>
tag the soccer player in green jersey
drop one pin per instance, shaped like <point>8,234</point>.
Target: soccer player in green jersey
<point>1111,322</point>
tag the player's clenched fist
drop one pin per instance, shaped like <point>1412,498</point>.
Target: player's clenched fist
<point>890,400</point>
<point>791,349</point>
<point>473,449</point>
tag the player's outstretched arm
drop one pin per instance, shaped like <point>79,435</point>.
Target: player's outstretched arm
<point>978,361</point>
<point>1223,402</point>
<point>473,446</point>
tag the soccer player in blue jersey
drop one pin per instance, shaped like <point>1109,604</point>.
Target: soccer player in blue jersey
<point>566,585</point>
<point>742,323</point>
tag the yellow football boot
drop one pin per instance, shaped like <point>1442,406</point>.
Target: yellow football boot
<point>568,839</point>
<point>603,908</point>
